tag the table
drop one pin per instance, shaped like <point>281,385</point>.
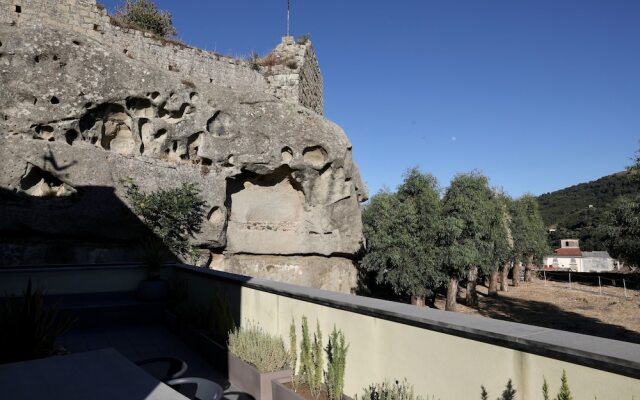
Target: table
<point>98,375</point>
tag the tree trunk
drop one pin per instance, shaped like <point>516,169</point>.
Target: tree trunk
<point>472,294</point>
<point>493,284</point>
<point>504,284</point>
<point>516,274</point>
<point>417,301</point>
<point>432,299</point>
<point>528,269</point>
<point>452,292</point>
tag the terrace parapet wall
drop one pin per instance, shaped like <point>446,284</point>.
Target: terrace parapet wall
<point>86,20</point>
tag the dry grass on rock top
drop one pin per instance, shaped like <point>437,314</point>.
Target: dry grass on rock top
<point>580,309</point>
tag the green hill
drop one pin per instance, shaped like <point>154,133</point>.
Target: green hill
<point>580,211</point>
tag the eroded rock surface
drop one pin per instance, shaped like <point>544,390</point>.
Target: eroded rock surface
<point>76,119</point>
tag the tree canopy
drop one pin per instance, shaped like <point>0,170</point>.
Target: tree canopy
<point>401,230</point>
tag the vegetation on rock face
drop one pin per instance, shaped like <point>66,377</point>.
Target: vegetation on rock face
<point>28,327</point>
<point>257,347</point>
<point>144,15</point>
<point>173,215</point>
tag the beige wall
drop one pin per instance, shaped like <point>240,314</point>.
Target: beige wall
<point>442,365</point>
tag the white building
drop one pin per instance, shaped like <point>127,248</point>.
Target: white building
<point>569,256</point>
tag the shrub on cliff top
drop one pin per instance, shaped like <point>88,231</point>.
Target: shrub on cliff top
<point>144,15</point>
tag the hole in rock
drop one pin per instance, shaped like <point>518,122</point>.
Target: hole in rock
<point>36,59</point>
<point>55,57</point>
<point>88,105</point>
<point>140,106</point>
<point>0,43</point>
<point>206,161</point>
<point>159,135</point>
<point>155,95</point>
<point>76,42</point>
<point>70,136</point>
<point>40,183</point>
<point>96,27</point>
<point>18,9</point>
<point>215,216</point>
<point>218,123</point>
<point>287,154</point>
<point>125,51</point>
<point>315,156</point>
<point>54,100</point>
<point>35,101</point>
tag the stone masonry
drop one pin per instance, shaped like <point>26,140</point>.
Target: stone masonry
<point>90,21</point>
<point>80,116</point>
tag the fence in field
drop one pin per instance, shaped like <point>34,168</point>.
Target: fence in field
<point>594,282</point>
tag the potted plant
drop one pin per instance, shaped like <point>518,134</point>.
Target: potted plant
<point>29,327</point>
<point>154,287</point>
<point>308,382</point>
<point>255,359</point>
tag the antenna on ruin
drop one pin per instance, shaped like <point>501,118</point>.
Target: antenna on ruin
<point>288,16</point>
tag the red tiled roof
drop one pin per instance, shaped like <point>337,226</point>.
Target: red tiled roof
<point>568,251</point>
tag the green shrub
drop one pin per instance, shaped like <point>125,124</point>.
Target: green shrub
<point>317,359</point>
<point>293,354</point>
<point>144,15</point>
<point>387,391</point>
<point>306,366</point>
<point>257,347</point>
<point>565,391</point>
<point>173,215</point>
<point>28,327</point>
<point>336,364</point>
<point>545,389</point>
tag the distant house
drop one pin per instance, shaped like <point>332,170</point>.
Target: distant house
<point>569,256</point>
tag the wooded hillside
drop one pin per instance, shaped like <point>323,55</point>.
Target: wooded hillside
<point>568,209</point>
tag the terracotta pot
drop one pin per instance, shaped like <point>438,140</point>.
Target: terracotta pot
<point>248,379</point>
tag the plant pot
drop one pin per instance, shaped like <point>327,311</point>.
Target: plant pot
<point>246,377</point>
<point>280,391</point>
<point>153,290</point>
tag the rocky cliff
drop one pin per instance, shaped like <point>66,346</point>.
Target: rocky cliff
<point>78,116</point>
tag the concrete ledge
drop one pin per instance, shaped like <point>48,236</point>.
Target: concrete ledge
<point>599,353</point>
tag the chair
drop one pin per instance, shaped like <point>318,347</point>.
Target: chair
<point>176,367</point>
<point>205,389</point>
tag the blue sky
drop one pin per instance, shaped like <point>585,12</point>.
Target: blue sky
<point>537,94</point>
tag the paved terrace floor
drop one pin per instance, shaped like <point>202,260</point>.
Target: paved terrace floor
<point>139,342</point>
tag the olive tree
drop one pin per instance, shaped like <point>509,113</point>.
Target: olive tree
<point>401,230</point>
<point>529,235</point>
<point>465,235</point>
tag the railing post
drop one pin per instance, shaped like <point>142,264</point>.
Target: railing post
<point>545,277</point>
<point>625,288</point>
<point>569,280</point>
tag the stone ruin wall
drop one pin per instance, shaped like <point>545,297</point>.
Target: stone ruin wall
<point>78,115</point>
<point>302,83</point>
<point>299,85</point>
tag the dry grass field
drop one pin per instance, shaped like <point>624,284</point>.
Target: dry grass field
<point>581,309</point>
